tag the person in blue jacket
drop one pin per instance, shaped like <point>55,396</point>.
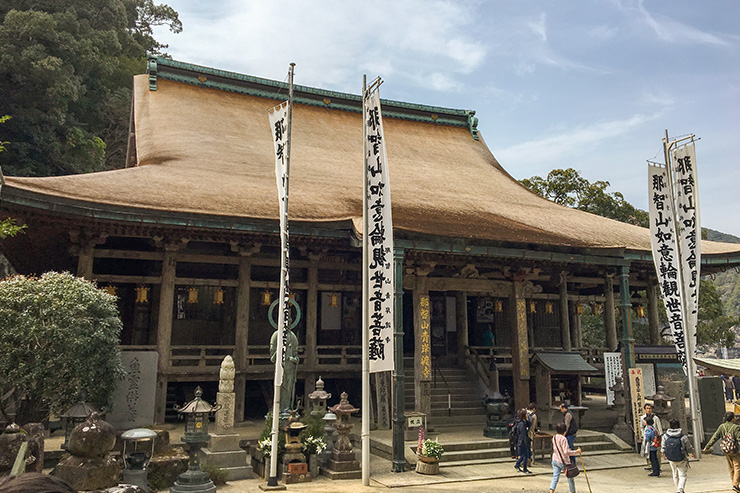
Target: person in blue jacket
<point>649,446</point>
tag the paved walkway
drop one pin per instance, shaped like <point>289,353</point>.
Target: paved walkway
<point>607,474</point>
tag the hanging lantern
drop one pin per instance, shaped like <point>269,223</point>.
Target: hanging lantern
<point>548,307</point>
<point>218,296</point>
<point>192,294</point>
<point>142,294</point>
<point>499,306</point>
<point>291,295</point>
<point>334,300</point>
<point>640,311</point>
<point>533,307</point>
<point>598,308</point>
<point>580,309</point>
<point>266,298</point>
<point>110,289</point>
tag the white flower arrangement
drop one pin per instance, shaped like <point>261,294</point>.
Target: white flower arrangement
<point>313,445</point>
<point>265,446</point>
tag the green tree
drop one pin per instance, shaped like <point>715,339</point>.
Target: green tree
<point>714,327</point>
<point>8,226</point>
<point>65,77</point>
<point>58,337</point>
<point>567,187</point>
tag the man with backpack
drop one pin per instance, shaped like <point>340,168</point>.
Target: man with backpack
<point>729,433</point>
<point>676,449</point>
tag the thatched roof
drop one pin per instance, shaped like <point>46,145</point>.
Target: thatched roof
<point>207,152</point>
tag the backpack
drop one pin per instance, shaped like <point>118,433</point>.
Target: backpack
<point>513,432</point>
<point>728,443</point>
<point>674,448</point>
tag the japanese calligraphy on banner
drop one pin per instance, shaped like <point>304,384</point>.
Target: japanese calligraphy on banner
<point>683,160</point>
<point>665,255</point>
<point>637,399</point>
<point>378,239</point>
<point>278,123</point>
<point>425,359</point>
<point>612,370</point>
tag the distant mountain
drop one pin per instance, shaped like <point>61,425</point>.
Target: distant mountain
<point>719,236</point>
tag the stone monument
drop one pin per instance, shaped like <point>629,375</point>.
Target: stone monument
<point>318,399</point>
<point>223,447</point>
<point>295,464</point>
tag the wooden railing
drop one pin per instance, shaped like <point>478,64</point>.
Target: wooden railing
<point>199,356</point>
<point>332,356</point>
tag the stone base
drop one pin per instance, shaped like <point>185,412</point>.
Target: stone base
<point>623,431</point>
<point>85,474</point>
<point>223,452</point>
<point>336,475</point>
<point>427,467</point>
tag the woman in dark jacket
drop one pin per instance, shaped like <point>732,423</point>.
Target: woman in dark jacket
<point>522,441</point>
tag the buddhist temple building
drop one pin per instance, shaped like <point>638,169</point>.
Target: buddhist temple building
<point>186,235</point>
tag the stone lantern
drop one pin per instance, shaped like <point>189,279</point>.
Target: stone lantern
<point>295,466</point>
<point>661,403</point>
<point>330,434</point>
<point>196,413</point>
<point>621,428</point>
<point>318,398</point>
<point>343,457</point>
<point>75,415</point>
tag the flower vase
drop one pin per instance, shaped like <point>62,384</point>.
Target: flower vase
<point>427,465</point>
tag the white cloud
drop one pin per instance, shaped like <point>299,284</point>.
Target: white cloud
<point>334,41</point>
<point>668,29</point>
<point>539,27</point>
<point>571,143</point>
<point>603,32</point>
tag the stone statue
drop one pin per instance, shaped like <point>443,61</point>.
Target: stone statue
<point>290,369</point>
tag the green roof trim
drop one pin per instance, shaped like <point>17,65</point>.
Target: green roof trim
<point>196,75</point>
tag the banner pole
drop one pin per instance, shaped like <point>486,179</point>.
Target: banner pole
<point>282,295</point>
<point>365,334</point>
<point>690,344</point>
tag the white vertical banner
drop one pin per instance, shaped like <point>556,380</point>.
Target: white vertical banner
<point>279,124</point>
<point>665,254</point>
<point>686,191</point>
<point>612,370</point>
<point>377,240</point>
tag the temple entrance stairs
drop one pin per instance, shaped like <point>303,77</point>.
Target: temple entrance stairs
<point>455,399</point>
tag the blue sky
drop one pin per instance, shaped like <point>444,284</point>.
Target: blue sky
<point>556,84</point>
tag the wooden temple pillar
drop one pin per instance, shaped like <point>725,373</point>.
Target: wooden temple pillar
<point>519,344</point>
<point>564,313</point>
<point>422,344</point>
<point>653,320</point>
<point>312,321</point>
<point>164,328</point>
<point>241,334</point>
<point>575,330</point>
<point>463,335</point>
<point>625,304</point>
<point>610,321</point>
<point>85,261</point>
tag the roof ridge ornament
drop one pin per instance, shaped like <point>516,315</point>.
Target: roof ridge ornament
<point>151,70</point>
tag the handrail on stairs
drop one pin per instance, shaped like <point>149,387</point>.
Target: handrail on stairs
<point>475,362</point>
<point>437,370</point>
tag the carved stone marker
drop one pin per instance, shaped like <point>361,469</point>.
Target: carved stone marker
<point>223,448</point>
<point>133,397</point>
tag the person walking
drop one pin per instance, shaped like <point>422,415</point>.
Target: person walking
<point>571,428</point>
<point>730,389</point>
<point>532,419</point>
<point>651,445</point>
<point>560,453</point>
<point>657,424</point>
<point>736,383</point>
<point>676,448</point>
<point>729,432</point>
<point>522,442</point>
